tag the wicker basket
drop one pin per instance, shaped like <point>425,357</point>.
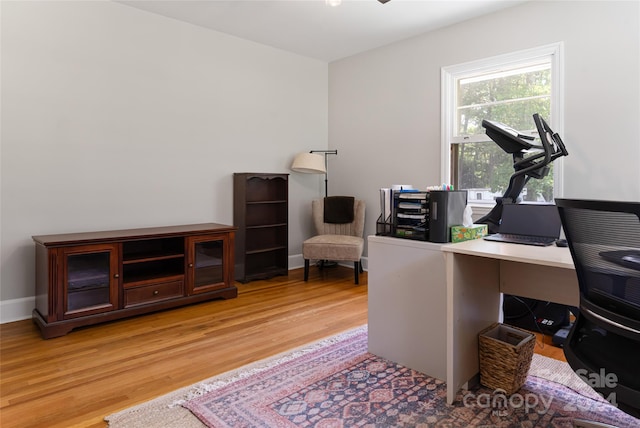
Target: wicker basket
<point>505,357</point>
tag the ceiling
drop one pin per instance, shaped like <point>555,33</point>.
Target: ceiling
<point>314,29</point>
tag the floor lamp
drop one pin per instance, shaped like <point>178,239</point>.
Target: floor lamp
<point>312,163</point>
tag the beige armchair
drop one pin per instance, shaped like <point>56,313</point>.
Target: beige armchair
<point>336,241</point>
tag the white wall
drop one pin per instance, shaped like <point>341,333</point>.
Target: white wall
<point>384,105</point>
<point>114,118</point>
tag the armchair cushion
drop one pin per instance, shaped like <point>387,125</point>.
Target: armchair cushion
<point>333,247</point>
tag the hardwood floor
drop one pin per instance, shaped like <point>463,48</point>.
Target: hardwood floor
<point>78,379</point>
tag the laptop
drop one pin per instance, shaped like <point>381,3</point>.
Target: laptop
<point>528,224</point>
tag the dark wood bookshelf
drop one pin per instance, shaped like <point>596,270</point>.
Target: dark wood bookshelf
<point>260,212</point>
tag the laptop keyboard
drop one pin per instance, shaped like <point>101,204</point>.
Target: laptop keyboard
<point>525,239</point>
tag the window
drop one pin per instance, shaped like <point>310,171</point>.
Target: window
<point>508,89</point>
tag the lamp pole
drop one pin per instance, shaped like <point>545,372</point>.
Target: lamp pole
<point>326,167</point>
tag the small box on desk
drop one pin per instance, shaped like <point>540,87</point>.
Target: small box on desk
<point>466,233</point>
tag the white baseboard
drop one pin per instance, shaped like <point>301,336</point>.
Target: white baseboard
<point>16,309</point>
<point>296,261</point>
<point>20,309</point>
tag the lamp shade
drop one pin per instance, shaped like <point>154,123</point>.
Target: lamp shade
<point>309,163</point>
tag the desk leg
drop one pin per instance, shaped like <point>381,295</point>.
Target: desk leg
<point>473,303</point>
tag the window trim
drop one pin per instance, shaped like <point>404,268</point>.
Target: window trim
<point>450,74</point>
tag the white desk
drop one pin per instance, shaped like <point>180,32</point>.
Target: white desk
<point>408,303</point>
<point>476,273</point>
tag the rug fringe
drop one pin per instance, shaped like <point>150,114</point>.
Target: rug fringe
<point>244,372</point>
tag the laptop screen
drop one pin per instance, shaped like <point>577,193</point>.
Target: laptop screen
<point>531,219</point>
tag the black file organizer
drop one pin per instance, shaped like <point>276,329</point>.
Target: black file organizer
<point>426,216</point>
<point>411,215</point>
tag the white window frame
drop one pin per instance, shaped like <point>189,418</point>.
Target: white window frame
<point>450,74</point>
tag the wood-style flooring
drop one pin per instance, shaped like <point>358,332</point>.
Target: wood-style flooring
<point>78,379</point>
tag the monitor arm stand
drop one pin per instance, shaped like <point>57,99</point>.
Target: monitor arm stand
<point>517,182</point>
<point>525,168</point>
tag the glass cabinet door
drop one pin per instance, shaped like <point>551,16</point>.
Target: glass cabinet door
<point>89,280</point>
<point>206,263</point>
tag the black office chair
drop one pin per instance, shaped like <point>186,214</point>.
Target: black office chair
<point>603,346</point>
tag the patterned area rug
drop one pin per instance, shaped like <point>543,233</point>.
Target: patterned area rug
<point>336,383</point>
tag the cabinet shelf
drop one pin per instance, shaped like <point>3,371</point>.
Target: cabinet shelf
<point>74,290</point>
<point>151,258</point>
<point>156,268</point>
<point>264,272</point>
<point>150,279</point>
<point>266,226</point>
<point>147,275</point>
<point>284,201</point>
<point>266,250</point>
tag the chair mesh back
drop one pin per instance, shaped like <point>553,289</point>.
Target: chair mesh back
<point>604,239</point>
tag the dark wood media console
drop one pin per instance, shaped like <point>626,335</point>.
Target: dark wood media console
<point>89,278</point>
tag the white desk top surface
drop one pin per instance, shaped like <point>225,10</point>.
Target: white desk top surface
<point>547,256</point>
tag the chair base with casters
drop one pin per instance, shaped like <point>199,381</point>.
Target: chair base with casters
<point>336,248</point>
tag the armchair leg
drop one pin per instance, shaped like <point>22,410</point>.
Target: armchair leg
<point>306,270</point>
<point>356,271</point>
